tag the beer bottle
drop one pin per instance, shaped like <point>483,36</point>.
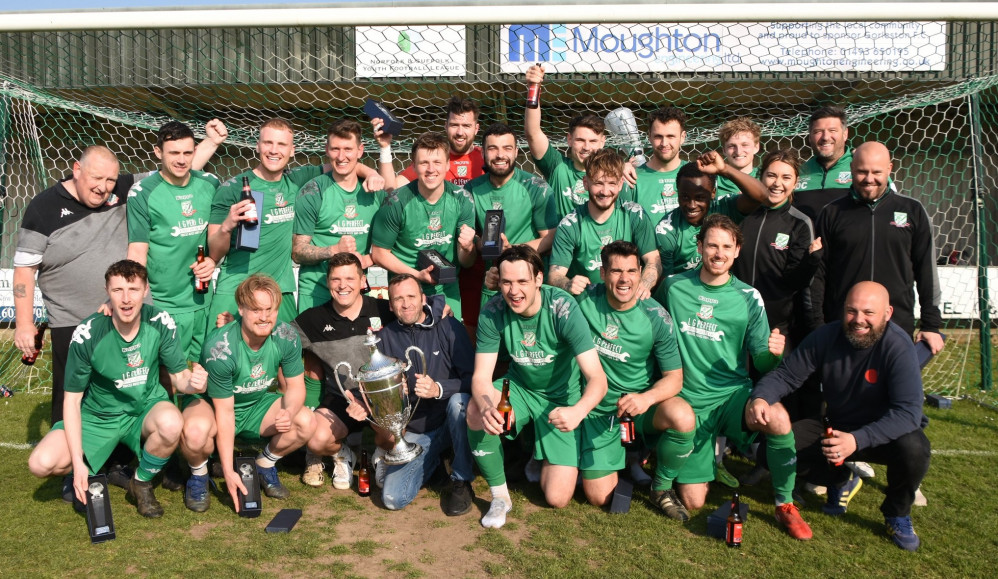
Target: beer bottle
<point>828,434</point>
<point>627,437</point>
<point>533,96</point>
<point>733,530</point>
<point>364,476</point>
<point>250,217</point>
<point>39,342</point>
<point>200,287</point>
<point>505,408</point>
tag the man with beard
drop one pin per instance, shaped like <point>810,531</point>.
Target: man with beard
<point>513,190</point>
<point>877,234</point>
<point>564,173</point>
<point>872,386</point>
<point>655,189</point>
<point>575,256</point>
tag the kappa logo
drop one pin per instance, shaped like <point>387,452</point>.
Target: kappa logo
<point>279,200</point>
<point>706,312</point>
<point>611,332</point>
<point>900,220</point>
<point>187,208</point>
<point>844,177</point>
<point>65,212</point>
<point>328,328</point>
<point>481,452</point>
<point>350,211</point>
<point>782,241</point>
<point>82,332</point>
<point>257,371</point>
<point>664,226</point>
<point>435,223</point>
<point>221,350</point>
<point>134,359</point>
<point>436,352</point>
<point>164,318</point>
<point>529,339</point>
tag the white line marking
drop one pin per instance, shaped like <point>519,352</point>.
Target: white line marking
<point>16,445</point>
<point>947,452</point>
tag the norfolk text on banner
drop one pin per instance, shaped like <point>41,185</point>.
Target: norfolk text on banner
<point>410,51</point>
<point>713,47</point>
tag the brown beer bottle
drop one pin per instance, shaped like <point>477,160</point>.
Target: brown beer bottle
<point>733,530</point>
<point>200,287</point>
<point>627,437</point>
<point>533,96</point>
<point>250,217</point>
<point>364,476</point>
<point>505,408</point>
<point>39,342</point>
<point>828,434</point>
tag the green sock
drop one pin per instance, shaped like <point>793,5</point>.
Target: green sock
<point>487,450</point>
<point>671,452</point>
<point>313,392</point>
<point>782,459</point>
<point>149,465</point>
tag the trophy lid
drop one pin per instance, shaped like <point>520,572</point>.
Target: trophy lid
<point>380,366</point>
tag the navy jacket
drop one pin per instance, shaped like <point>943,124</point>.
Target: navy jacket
<point>875,394</point>
<point>450,358</point>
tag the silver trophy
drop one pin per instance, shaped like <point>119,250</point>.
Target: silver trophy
<point>386,395</point>
<point>622,125</point>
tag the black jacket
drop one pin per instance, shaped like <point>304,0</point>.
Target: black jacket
<point>890,242</point>
<point>449,357</point>
<point>775,260</point>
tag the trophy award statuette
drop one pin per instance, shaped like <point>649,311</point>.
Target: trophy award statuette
<point>385,393</point>
<point>620,123</point>
<point>495,226</point>
<point>443,270</point>
<point>375,110</point>
<point>99,521</point>
<point>250,505</point>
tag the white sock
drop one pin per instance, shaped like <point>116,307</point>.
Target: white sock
<point>201,469</point>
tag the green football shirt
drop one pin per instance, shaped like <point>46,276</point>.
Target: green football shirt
<point>727,188</point>
<point>277,217</point>
<point>635,345</point>
<point>719,327</point>
<point>326,212</point>
<point>566,182</point>
<point>579,238</point>
<point>236,371</point>
<point>677,238</point>
<point>118,377</point>
<point>542,347</point>
<point>656,191</point>
<point>173,221</point>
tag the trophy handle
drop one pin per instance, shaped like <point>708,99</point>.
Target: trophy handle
<point>363,398</point>
<point>422,358</point>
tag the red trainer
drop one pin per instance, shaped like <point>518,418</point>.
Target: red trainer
<point>788,515</point>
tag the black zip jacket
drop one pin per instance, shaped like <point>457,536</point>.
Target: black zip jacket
<point>889,241</point>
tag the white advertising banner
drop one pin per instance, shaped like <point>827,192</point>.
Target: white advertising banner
<point>7,298</point>
<point>410,51</point>
<point>730,47</point>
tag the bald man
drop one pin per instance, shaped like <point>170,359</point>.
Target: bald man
<point>877,234</point>
<point>872,386</point>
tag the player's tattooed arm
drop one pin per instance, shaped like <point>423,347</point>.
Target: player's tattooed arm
<point>304,253</point>
<point>20,290</point>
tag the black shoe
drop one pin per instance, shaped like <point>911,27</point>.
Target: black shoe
<point>119,475</point>
<point>173,479</point>
<point>460,500</point>
<point>215,468</point>
<point>145,500</point>
<point>68,494</point>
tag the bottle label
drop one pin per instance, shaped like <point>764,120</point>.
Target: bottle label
<point>627,432</point>
<point>507,421</point>
<point>364,484</point>
<point>734,535</point>
<point>250,212</point>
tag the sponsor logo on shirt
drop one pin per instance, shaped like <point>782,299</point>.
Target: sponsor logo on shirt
<point>594,264</point>
<point>252,386</point>
<point>610,350</point>
<point>137,377</point>
<point>692,263</point>
<point>189,227</point>
<point>801,185</point>
<point>279,215</point>
<point>900,220</point>
<point>438,238</point>
<point>782,241</point>
<point>844,177</point>
<point>350,227</point>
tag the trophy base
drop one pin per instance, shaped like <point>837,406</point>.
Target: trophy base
<point>403,453</point>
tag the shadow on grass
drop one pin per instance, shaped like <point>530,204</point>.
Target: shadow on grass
<point>39,420</point>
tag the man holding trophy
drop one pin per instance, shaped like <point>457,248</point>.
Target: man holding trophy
<point>438,394</point>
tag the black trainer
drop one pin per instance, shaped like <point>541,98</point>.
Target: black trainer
<point>460,500</point>
<point>145,500</point>
<point>119,475</point>
<point>173,479</point>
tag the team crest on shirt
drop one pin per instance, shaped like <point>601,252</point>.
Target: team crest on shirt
<point>279,199</point>
<point>782,241</point>
<point>529,339</point>
<point>257,371</point>
<point>350,211</point>
<point>900,220</point>
<point>844,177</point>
<point>668,189</point>
<point>497,205</point>
<point>112,200</point>
<point>435,223</point>
<point>706,312</point>
<point>134,359</point>
<point>611,332</point>
<point>605,240</point>
<point>187,208</point>
<point>462,170</point>
<point>376,324</point>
